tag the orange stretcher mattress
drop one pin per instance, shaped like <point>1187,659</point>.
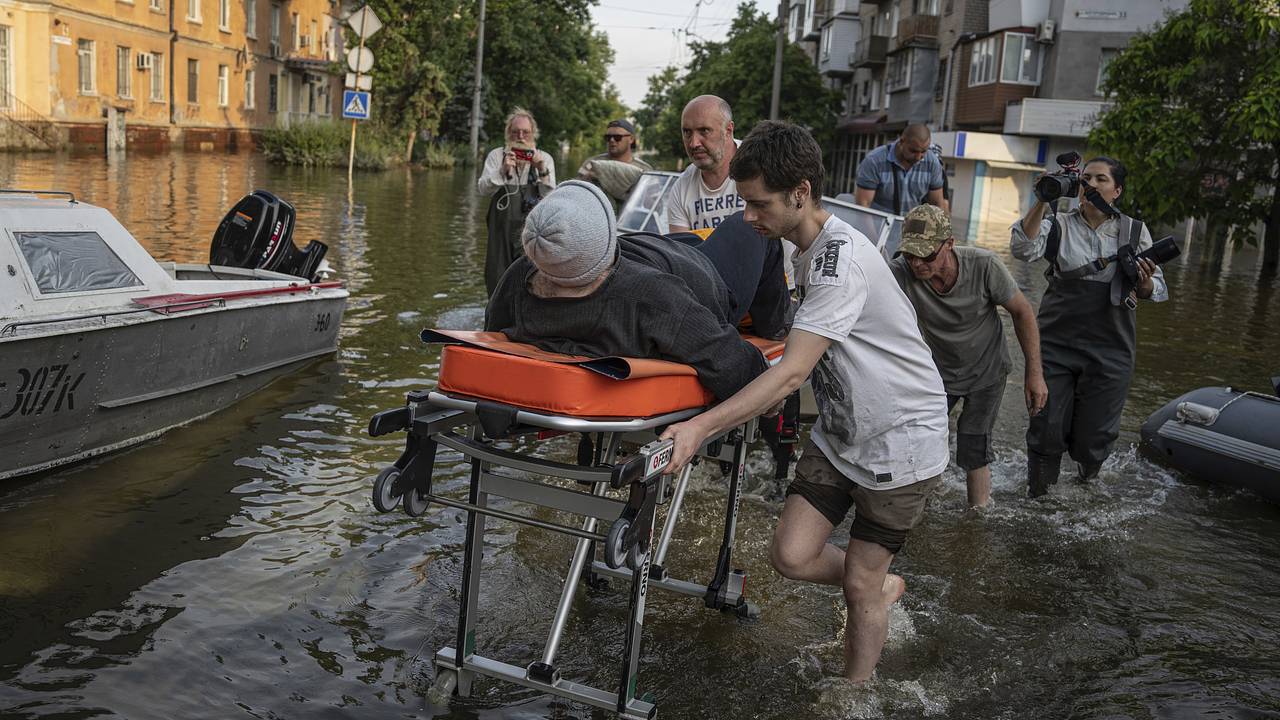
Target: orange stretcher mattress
<point>488,366</point>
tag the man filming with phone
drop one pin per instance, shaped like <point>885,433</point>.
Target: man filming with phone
<point>1098,269</point>
<point>515,176</point>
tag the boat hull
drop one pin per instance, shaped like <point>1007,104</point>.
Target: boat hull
<point>70,395</point>
<point>1239,447</point>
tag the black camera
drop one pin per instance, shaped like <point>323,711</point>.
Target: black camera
<point>1065,183</point>
<point>1160,252</point>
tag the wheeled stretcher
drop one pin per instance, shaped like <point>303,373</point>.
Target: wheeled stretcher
<point>494,397</point>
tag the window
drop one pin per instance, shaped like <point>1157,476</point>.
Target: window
<point>85,71</point>
<point>156,6</point>
<point>982,62</point>
<point>223,78</point>
<point>1021,59</point>
<point>157,77</point>
<point>251,19</point>
<point>249,78</point>
<point>275,23</point>
<point>73,262</point>
<point>193,80</point>
<point>124,79</point>
<point>898,74</point>
<point>826,42</point>
<point>273,93</point>
<point>940,82</point>
<point>893,19</point>
<point>193,10</point>
<point>224,15</point>
<point>1104,63</point>
<point>925,7</point>
<point>311,38</point>
<point>875,94</point>
<point>297,32</point>
<point>6,67</point>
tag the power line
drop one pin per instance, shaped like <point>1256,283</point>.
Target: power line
<point>655,12</point>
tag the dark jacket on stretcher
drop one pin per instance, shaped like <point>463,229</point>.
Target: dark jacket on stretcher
<point>662,299</point>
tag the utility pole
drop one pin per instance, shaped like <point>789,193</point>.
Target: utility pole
<point>776,99</point>
<point>475,97</point>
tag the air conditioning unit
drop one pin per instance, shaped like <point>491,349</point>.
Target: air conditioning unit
<point>146,61</point>
<point>1044,33</point>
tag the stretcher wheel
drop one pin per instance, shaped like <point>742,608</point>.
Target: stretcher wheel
<point>635,557</point>
<point>414,503</point>
<point>384,497</point>
<point>614,552</point>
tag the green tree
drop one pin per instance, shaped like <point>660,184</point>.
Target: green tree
<point>740,70</point>
<point>544,56</point>
<point>422,43</point>
<point>539,54</point>
<point>1196,118</point>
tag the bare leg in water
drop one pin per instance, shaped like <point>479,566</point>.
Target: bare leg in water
<point>800,551</point>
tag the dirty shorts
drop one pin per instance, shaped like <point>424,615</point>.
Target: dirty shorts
<point>880,516</point>
<point>973,428</point>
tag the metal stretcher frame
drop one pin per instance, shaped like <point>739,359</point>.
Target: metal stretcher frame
<point>432,418</point>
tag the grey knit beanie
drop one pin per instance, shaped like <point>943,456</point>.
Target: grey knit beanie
<point>571,235</point>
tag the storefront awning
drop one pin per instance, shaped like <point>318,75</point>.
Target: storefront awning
<point>1004,165</point>
<point>319,65</point>
<point>868,122</point>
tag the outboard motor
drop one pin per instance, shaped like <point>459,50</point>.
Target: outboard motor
<point>258,233</point>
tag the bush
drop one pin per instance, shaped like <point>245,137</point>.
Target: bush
<point>328,143</point>
<point>438,156</point>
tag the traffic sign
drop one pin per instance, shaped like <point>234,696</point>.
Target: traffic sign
<point>355,104</point>
<point>359,82</point>
<point>360,59</point>
<point>364,22</point>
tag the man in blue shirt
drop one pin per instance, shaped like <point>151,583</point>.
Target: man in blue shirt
<point>895,178</point>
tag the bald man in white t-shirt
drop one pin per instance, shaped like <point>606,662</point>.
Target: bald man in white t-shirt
<point>704,195</point>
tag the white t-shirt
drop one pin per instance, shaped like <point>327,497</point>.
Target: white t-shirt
<point>882,411</point>
<point>491,177</point>
<point>691,204</point>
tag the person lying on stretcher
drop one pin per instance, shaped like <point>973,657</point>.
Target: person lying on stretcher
<point>581,289</point>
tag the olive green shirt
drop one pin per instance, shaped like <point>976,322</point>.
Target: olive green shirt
<point>962,326</point>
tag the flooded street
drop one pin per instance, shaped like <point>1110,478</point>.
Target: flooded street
<point>236,568</point>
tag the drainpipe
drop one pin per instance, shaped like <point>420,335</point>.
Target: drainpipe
<point>951,72</point>
<point>173,60</point>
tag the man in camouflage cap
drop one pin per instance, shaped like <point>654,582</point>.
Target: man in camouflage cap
<point>955,291</point>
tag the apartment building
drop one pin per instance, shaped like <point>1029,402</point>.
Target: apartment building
<point>152,73</point>
<point>1005,85</point>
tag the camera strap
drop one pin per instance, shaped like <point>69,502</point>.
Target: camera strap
<point>897,191</point>
<point>1122,284</point>
<point>1130,230</point>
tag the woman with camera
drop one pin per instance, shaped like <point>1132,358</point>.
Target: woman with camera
<point>515,176</point>
<point>1087,321</point>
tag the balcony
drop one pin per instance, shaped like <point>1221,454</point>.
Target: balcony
<point>918,30</point>
<point>1057,118</point>
<point>871,51</point>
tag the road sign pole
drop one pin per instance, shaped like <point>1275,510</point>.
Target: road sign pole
<point>351,154</point>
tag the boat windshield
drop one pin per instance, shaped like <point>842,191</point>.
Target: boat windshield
<point>646,211</point>
<point>64,262</point>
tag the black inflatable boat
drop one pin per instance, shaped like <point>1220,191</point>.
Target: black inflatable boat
<point>1221,435</point>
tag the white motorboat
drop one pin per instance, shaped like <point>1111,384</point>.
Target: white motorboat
<point>102,347</point>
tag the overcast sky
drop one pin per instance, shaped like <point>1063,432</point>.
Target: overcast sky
<point>649,35</point>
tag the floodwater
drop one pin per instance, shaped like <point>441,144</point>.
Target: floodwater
<point>237,569</point>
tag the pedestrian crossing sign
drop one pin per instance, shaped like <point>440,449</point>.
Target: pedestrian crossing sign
<point>355,104</point>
